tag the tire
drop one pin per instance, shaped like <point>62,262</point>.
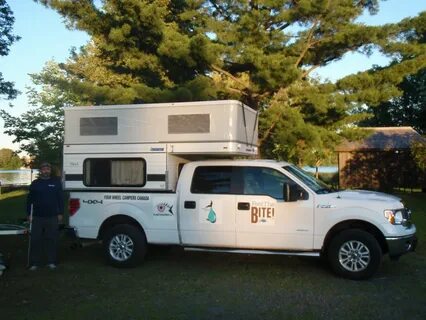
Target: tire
<point>124,246</point>
<point>354,254</point>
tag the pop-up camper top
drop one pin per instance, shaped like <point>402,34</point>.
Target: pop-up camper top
<point>142,147</point>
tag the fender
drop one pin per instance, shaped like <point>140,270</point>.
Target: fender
<point>327,218</point>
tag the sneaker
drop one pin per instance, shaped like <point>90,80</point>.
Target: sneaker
<point>51,266</point>
<point>33,268</point>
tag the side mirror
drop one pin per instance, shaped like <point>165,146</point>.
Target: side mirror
<point>292,193</point>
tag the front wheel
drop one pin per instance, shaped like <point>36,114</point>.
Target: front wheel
<point>354,254</point>
<point>124,245</point>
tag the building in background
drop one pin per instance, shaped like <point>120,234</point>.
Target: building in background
<point>382,161</point>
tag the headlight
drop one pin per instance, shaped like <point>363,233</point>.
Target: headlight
<point>399,219</point>
<point>394,216</point>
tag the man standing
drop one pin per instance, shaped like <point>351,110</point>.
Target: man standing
<point>45,200</point>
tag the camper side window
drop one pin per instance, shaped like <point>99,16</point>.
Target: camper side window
<point>120,172</point>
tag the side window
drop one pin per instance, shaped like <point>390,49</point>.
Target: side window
<point>120,172</point>
<point>99,126</point>
<point>264,181</point>
<point>212,179</point>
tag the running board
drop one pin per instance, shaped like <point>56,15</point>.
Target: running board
<point>283,253</point>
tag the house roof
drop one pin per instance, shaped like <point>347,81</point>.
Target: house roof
<point>383,138</point>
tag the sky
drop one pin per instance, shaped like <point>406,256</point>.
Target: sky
<point>44,37</point>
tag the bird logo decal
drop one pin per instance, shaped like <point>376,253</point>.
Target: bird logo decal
<point>212,215</point>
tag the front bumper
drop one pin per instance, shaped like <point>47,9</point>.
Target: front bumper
<point>400,245</point>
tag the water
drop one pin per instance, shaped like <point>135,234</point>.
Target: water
<point>18,177</point>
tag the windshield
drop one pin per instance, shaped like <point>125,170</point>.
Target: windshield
<point>316,185</point>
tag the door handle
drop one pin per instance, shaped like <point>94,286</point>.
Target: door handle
<point>189,205</point>
<point>243,206</point>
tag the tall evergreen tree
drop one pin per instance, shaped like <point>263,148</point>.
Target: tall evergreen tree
<point>409,109</point>
<point>260,52</point>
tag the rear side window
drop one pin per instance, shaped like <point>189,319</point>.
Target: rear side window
<point>212,179</point>
<point>120,172</point>
<point>189,123</point>
<point>99,126</point>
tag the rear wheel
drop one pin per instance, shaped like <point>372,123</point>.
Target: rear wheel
<point>354,254</point>
<point>124,245</point>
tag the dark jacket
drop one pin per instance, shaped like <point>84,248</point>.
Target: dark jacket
<point>47,198</point>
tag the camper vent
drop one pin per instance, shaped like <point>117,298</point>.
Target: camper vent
<point>99,126</point>
<point>189,123</point>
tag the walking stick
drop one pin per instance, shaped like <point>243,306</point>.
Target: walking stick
<point>29,236</point>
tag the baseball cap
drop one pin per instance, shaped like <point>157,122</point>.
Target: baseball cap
<point>45,164</point>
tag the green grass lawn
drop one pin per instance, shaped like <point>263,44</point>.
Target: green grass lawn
<point>172,284</point>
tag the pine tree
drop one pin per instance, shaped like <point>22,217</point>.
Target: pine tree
<point>260,52</point>
<point>409,109</point>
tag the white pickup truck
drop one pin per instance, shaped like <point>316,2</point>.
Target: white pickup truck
<point>248,206</point>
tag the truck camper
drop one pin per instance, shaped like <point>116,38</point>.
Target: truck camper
<point>186,174</point>
<point>146,145</point>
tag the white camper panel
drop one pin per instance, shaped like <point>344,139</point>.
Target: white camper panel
<point>158,137</point>
<point>211,127</point>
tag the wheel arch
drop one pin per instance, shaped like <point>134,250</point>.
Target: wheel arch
<point>117,220</point>
<point>355,224</point>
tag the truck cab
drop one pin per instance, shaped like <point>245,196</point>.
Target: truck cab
<point>269,205</point>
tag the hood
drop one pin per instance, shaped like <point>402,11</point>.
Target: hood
<point>366,195</point>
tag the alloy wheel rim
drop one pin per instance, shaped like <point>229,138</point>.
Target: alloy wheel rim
<point>121,247</point>
<point>354,256</point>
